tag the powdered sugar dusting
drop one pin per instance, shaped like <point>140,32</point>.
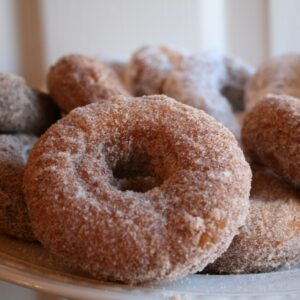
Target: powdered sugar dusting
<point>22,109</point>
<point>271,237</point>
<point>148,68</point>
<point>200,79</point>
<point>76,80</point>
<point>186,220</point>
<point>271,135</point>
<point>14,150</point>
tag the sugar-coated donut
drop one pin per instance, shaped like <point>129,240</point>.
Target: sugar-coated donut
<point>22,109</point>
<point>137,189</point>
<point>271,236</point>
<point>271,135</point>
<point>14,218</point>
<point>279,75</point>
<point>201,80</point>
<point>76,80</point>
<point>119,65</point>
<point>148,68</point>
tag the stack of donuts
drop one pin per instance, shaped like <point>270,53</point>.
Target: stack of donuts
<point>148,177</point>
<point>25,114</point>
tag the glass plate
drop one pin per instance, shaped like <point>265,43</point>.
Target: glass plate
<point>29,265</point>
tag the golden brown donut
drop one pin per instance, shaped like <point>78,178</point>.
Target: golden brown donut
<point>271,135</point>
<point>118,65</point>
<point>137,189</point>
<point>271,236</point>
<point>22,109</point>
<point>14,150</point>
<point>204,80</point>
<point>76,80</point>
<point>148,68</point>
<point>278,75</point>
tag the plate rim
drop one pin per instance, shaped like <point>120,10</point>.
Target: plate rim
<point>82,290</point>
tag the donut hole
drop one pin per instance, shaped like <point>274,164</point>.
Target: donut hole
<point>235,97</point>
<point>135,173</point>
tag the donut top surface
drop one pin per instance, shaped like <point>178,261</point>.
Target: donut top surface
<point>271,135</point>
<point>22,109</point>
<point>149,67</point>
<point>137,189</point>
<point>76,80</point>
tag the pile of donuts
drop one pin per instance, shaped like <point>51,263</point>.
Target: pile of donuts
<point>169,164</point>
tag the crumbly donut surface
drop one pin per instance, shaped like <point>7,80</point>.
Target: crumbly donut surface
<point>14,219</point>
<point>203,79</point>
<point>148,68</point>
<point>279,75</point>
<point>271,236</point>
<point>137,189</point>
<point>119,66</point>
<point>271,135</point>
<point>76,80</point>
<point>22,109</point>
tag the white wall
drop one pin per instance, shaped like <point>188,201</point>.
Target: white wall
<point>9,58</point>
<point>248,29</point>
<point>117,27</point>
<point>284,26</point>
<point>35,33</point>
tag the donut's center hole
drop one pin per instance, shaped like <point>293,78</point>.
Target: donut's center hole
<point>235,97</point>
<point>135,174</point>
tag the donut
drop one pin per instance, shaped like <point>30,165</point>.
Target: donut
<point>279,75</point>
<point>149,67</point>
<point>137,190</point>
<point>119,65</point>
<point>76,80</point>
<point>14,218</point>
<point>271,135</point>
<point>22,109</point>
<point>201,80</point>
<point>271,236</point>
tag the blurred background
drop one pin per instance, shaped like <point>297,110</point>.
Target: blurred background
<point>35,33</point>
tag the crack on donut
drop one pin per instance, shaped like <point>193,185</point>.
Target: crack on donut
<point>135,174</point>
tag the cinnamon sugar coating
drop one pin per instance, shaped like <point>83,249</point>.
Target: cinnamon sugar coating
<point>137,190</point>
<point>22,109</point>
<point>14,218</point>
<point>279,75</point>
<point>271,236</point>
<point>76,80</point>
<point>212,82</point>
<point>148,68</point>
<point>119,66</point>
<point>271,135</point>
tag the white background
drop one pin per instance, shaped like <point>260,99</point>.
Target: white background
<point>35,33</point>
